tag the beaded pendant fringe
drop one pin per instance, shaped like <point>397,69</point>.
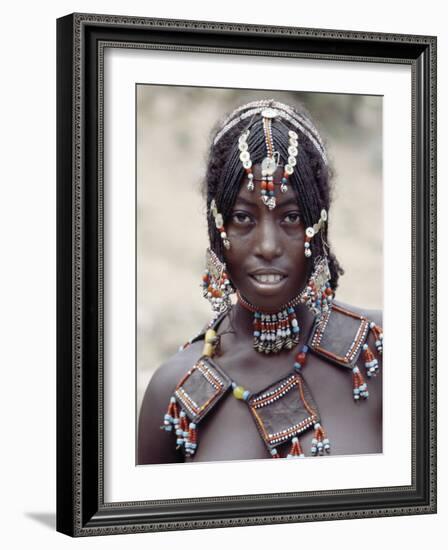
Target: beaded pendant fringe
<point>320,443</point>
<point>296,449</point>
<point>273,333</point>
<point>186,433</point>
<point>370,364</point>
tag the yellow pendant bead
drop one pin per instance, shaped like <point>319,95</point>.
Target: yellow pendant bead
<point>210,336</point>
<point>208,350</point>
<point>210,342</point>
<point>238,392</point>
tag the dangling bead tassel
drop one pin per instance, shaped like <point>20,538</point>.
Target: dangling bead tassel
<point>370,361</point>
<point>378,335</point>
<point>359,385</point>
<point>172,414</point>
<point>296,449</point>
<point>191,440</point>
<point>275,332</point>
<point>275,453</point>
<point>320,443</point>
<point>181,430</point>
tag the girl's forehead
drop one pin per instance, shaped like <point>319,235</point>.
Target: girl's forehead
<point>253,198</point>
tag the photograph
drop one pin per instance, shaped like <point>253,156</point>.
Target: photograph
<point>259,274</point>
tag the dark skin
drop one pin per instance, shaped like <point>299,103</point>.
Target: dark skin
<point>266,263</point>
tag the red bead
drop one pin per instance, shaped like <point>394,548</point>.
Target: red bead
<point>301,358</point>
<point>271,186</point>
<point>328,291</point>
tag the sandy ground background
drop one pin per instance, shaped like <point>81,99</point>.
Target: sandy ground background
<point>173,135</point>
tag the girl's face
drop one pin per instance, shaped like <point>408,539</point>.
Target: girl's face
<point>266,260</point>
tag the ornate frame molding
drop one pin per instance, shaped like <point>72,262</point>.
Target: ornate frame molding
<point>81,510</point>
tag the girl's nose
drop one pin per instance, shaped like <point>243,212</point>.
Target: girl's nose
<point>267,240</point>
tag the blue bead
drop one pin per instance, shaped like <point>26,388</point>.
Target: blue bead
<point>256,333</point>
<point>305,349</point>
<point>297,366</point>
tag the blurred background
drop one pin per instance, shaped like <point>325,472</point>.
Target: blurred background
<point>173,135</point>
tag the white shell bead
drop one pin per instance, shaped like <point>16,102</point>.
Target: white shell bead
<point>309,232</point>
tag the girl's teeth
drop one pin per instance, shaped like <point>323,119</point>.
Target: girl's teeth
<point>271,278</point>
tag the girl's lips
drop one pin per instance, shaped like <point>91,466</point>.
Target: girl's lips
<point>268,283</point>
<point>268,278</point>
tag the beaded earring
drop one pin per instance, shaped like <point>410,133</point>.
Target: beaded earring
<point>216,286</point>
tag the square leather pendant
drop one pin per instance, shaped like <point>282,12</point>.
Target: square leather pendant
<point>340,336</point>
<point>283,410</point>
<point>201,388</point>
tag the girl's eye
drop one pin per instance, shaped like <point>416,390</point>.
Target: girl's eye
<point>292,218</point>
<point>241,218</point>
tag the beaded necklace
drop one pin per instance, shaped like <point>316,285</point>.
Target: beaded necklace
<point>286,408</point>
<point>269,407</point>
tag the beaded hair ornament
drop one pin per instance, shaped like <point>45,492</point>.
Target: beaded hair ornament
<point>270,110</point>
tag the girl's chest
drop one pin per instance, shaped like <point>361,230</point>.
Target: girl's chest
<point>230,431</point>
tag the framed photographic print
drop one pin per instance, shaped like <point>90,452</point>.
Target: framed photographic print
<point>287,176</point>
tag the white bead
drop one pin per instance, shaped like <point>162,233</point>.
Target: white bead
<point>219,221</point>
<point>309,232</point>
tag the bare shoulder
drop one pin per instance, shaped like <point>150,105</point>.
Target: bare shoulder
<point>375,315</point>
<point>167,376</point>
<point>154,445</point>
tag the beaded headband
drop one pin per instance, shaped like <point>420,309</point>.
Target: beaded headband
<point>285,112</point>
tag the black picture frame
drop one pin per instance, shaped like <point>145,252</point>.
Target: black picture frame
<point>81,510</point>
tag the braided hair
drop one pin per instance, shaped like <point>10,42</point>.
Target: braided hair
<point>310,179</point>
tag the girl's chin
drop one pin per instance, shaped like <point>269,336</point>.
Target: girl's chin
<point>268,303</point>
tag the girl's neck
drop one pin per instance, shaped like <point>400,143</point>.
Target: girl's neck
<point>242,319</point>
